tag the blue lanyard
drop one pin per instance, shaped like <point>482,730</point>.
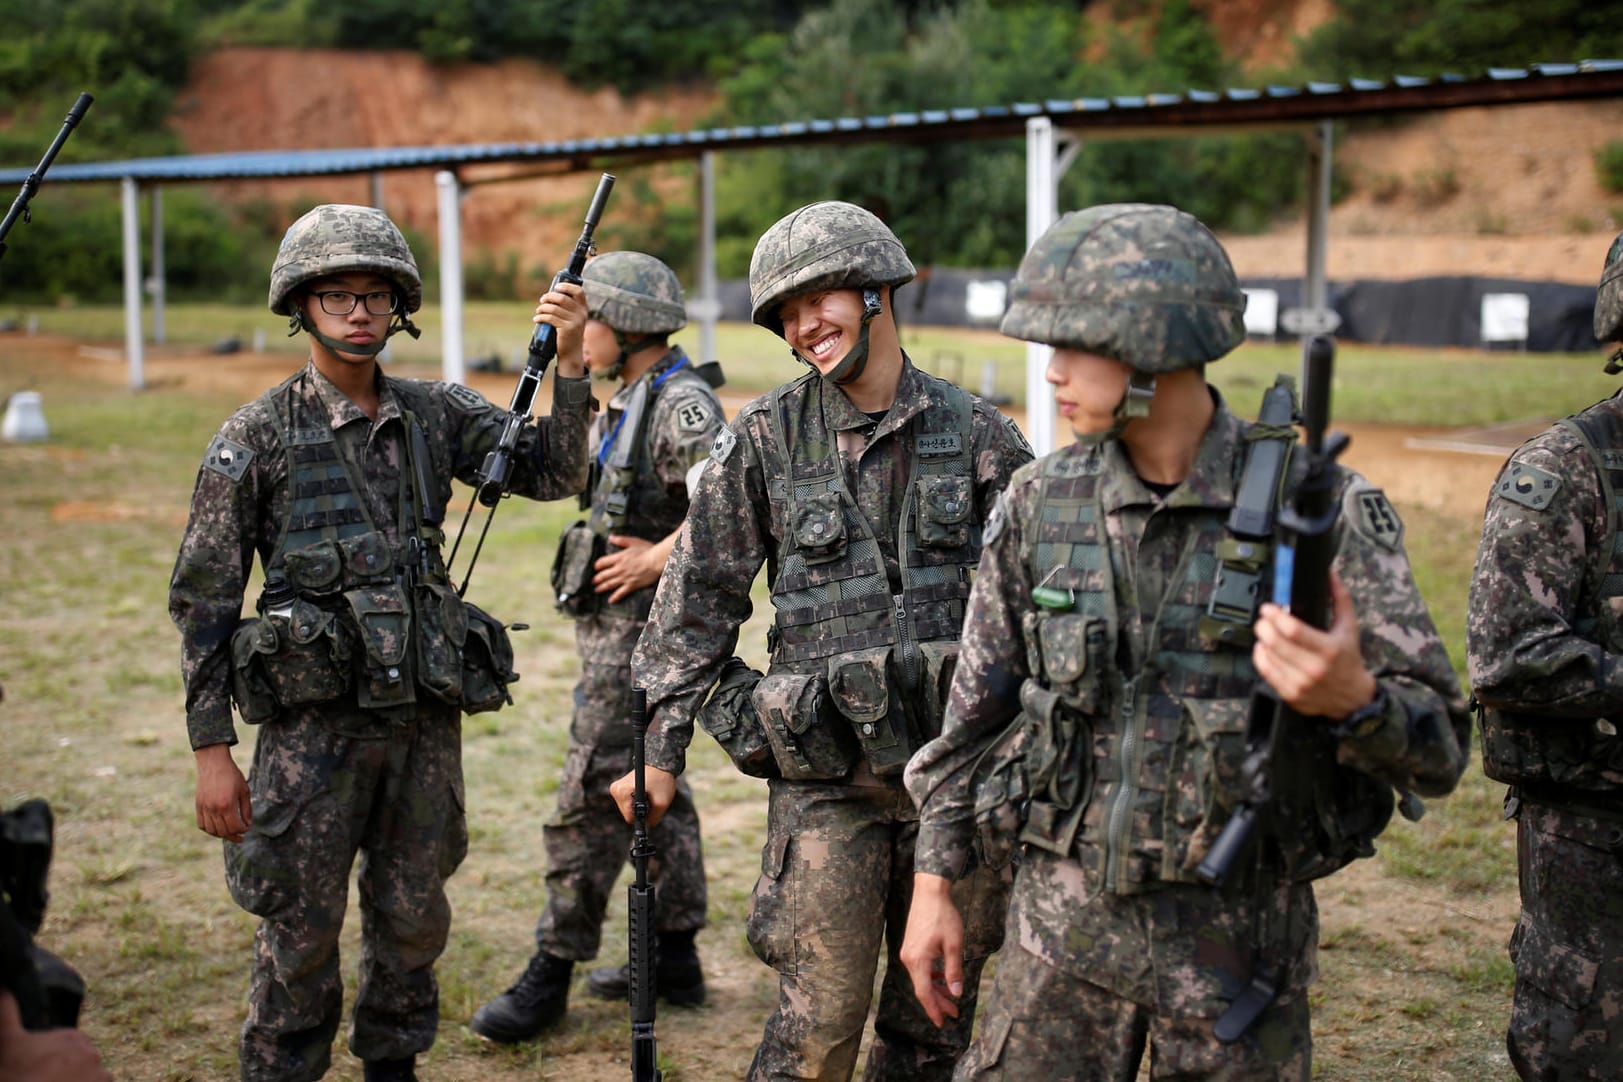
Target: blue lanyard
<point>614,434</point>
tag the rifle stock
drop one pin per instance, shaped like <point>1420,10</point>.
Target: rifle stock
<point>640,907</point>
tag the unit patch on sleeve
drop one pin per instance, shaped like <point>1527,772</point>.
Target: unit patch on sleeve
<point>465,398</point>
<point>1374,516</point>
<point>725,442</point>
<point>995,521</point>
<point>1528,485</point>
<point>228,457</point>
<point>693,416</point>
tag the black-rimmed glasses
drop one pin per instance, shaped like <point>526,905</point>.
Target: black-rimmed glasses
<point>341,302</point>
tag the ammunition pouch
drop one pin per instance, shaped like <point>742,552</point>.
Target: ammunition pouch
<point>442,632</point>
<point>1057,761</point>
<point>487,663</point>
<point>382,618</point>
<point>1576,753</point>
<point>943,504</point>
<point>578,551</point>
<point>729,716</point>
<point>860,687</point>
<point>277,662</point>
<point>806,740</point>
<point>1001,783</point>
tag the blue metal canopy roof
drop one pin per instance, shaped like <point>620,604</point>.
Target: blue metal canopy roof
<point>1127,115</point>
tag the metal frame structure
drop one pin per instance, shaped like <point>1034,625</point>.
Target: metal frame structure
<point>1054,131</point>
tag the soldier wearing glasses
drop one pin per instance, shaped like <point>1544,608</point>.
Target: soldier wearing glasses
<point>362,657</point>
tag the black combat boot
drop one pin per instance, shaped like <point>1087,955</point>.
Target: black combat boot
<point>537,999</point>
<point>392,1070</point>
<point>678,980</point>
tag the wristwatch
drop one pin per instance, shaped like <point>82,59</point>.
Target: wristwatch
<point>1363,721</point>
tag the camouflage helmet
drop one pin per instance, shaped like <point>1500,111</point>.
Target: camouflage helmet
<point>1609,296</point>
<point>634,293</point>
<point>1146,285</point>
<point>828,245</point>
<point>339,238</point>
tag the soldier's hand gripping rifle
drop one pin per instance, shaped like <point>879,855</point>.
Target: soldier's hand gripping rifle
<point>19,206</point>
<point>494,475</point>
<point>640,907</point>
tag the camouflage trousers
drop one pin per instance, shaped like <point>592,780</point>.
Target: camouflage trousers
<point>319,798</point>
<point>587,841</point>
<point>835,887</point>
<point>1086,984</point>
<point>1566,1021</point>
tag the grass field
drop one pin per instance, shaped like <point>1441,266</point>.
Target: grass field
<point>1415,983</point>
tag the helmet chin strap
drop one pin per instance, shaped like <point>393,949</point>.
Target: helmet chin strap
<point>852,365</point>
<point>300,321</point>
<point>628,346</point>
<point>1135,403</point>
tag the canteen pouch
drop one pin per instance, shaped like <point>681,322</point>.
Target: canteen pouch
<point>573,567</point>
<point>299,660</point>
<point>807,741</point>
<point>487,662</point>
<point>942,505</point>
<point>382,620</point>
<point>442,630</point>
<point>859,687</point>
<point>729,716</point>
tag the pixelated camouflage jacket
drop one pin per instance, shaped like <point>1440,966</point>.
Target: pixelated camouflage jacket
<point>683,418</point>
<point>736,522</point>
<point>232,519</point>
<point>1542,636</point>
<point>1421,745</point>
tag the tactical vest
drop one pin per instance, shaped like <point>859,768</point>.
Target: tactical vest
<point>888,656</point>
<point>1176,728</point>
<point>631,498</point>
<point>358,604</point>
<point>1532,750</point>
<point>830,592</point>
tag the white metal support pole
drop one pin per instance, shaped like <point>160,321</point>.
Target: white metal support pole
<point>450,210</point>
<point>132,281</point>
<point>157,266</point>
<point>1042,207</point>
<point>1316,286</point>
<point>710,304</point>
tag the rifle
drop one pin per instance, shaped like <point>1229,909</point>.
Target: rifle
<point>640,907</point>
<point>494,474</point>
<point>19,206</point>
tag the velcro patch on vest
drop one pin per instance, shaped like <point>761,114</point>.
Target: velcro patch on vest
<point>465,398</point>
<point>938,443</point>
<point>693,416</point>
<point>1528,486</point>
<point>228,457</point>
<point>723,446</point>
<point>1376,518</point>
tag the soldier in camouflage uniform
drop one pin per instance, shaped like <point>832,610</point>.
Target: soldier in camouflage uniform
<point>1095,727</point>
<point>1544,646</point>
<point>651,445</point>
<point>362,656</point>
<point>862,486</point>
